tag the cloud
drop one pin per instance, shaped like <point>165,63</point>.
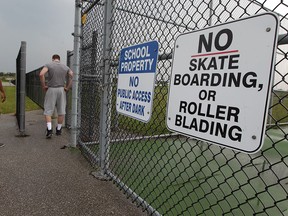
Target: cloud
<point>46,26</point>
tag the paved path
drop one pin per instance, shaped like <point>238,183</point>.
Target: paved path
<point>39,178</point>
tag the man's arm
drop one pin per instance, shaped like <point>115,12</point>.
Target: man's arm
<point>3,95</point>
<point>42,78</point>
<point>70,79</point>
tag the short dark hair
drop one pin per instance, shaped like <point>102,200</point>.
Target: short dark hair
<point>56,56</point>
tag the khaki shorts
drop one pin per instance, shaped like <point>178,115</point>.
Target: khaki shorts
<point>55,97</point>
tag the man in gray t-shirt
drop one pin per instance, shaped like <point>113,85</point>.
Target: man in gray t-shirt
<point>55,89</point>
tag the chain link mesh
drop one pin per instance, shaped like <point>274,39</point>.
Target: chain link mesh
<point>35,92</point>
<point>164,172</point>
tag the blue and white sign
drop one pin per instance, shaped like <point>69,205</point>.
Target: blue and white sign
<point>136,78</point>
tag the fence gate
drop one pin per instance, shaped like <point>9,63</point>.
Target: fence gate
<point>20,87</point>
<point>167,173</point>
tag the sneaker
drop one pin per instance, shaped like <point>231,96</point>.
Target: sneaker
<point>48,134</point>
<point>58,132</point>
<point>2,145</point>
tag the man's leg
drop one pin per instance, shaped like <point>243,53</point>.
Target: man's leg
<point>49,105</point>
<point>49,122</point>
<point>49,126</point>
<point>60,120</point>
<point>61,108</point>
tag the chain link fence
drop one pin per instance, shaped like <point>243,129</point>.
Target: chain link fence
<point>33,87</point>
<point>35,92</point>
<point>20,87</point>
<point>163,172</point>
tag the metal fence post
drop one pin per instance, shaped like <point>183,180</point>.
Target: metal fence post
<point>69,63</point>
<point>76,65</point>
<point>104,118</point>
<point>20,88</point>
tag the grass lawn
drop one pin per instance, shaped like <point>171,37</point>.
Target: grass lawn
<point>182,177</point>
<point>9,106</point>
<point>279,108</point>
<point>178,176</point>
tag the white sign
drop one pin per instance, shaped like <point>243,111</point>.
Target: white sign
<point>136,75</point>
<point>221,82</point>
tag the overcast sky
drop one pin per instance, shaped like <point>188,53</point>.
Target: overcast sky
<point>45,25</point>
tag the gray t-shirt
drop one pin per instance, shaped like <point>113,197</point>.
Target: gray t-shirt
<point>57,74</point>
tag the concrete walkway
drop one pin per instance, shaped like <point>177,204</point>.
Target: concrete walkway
<point>39,178</point>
